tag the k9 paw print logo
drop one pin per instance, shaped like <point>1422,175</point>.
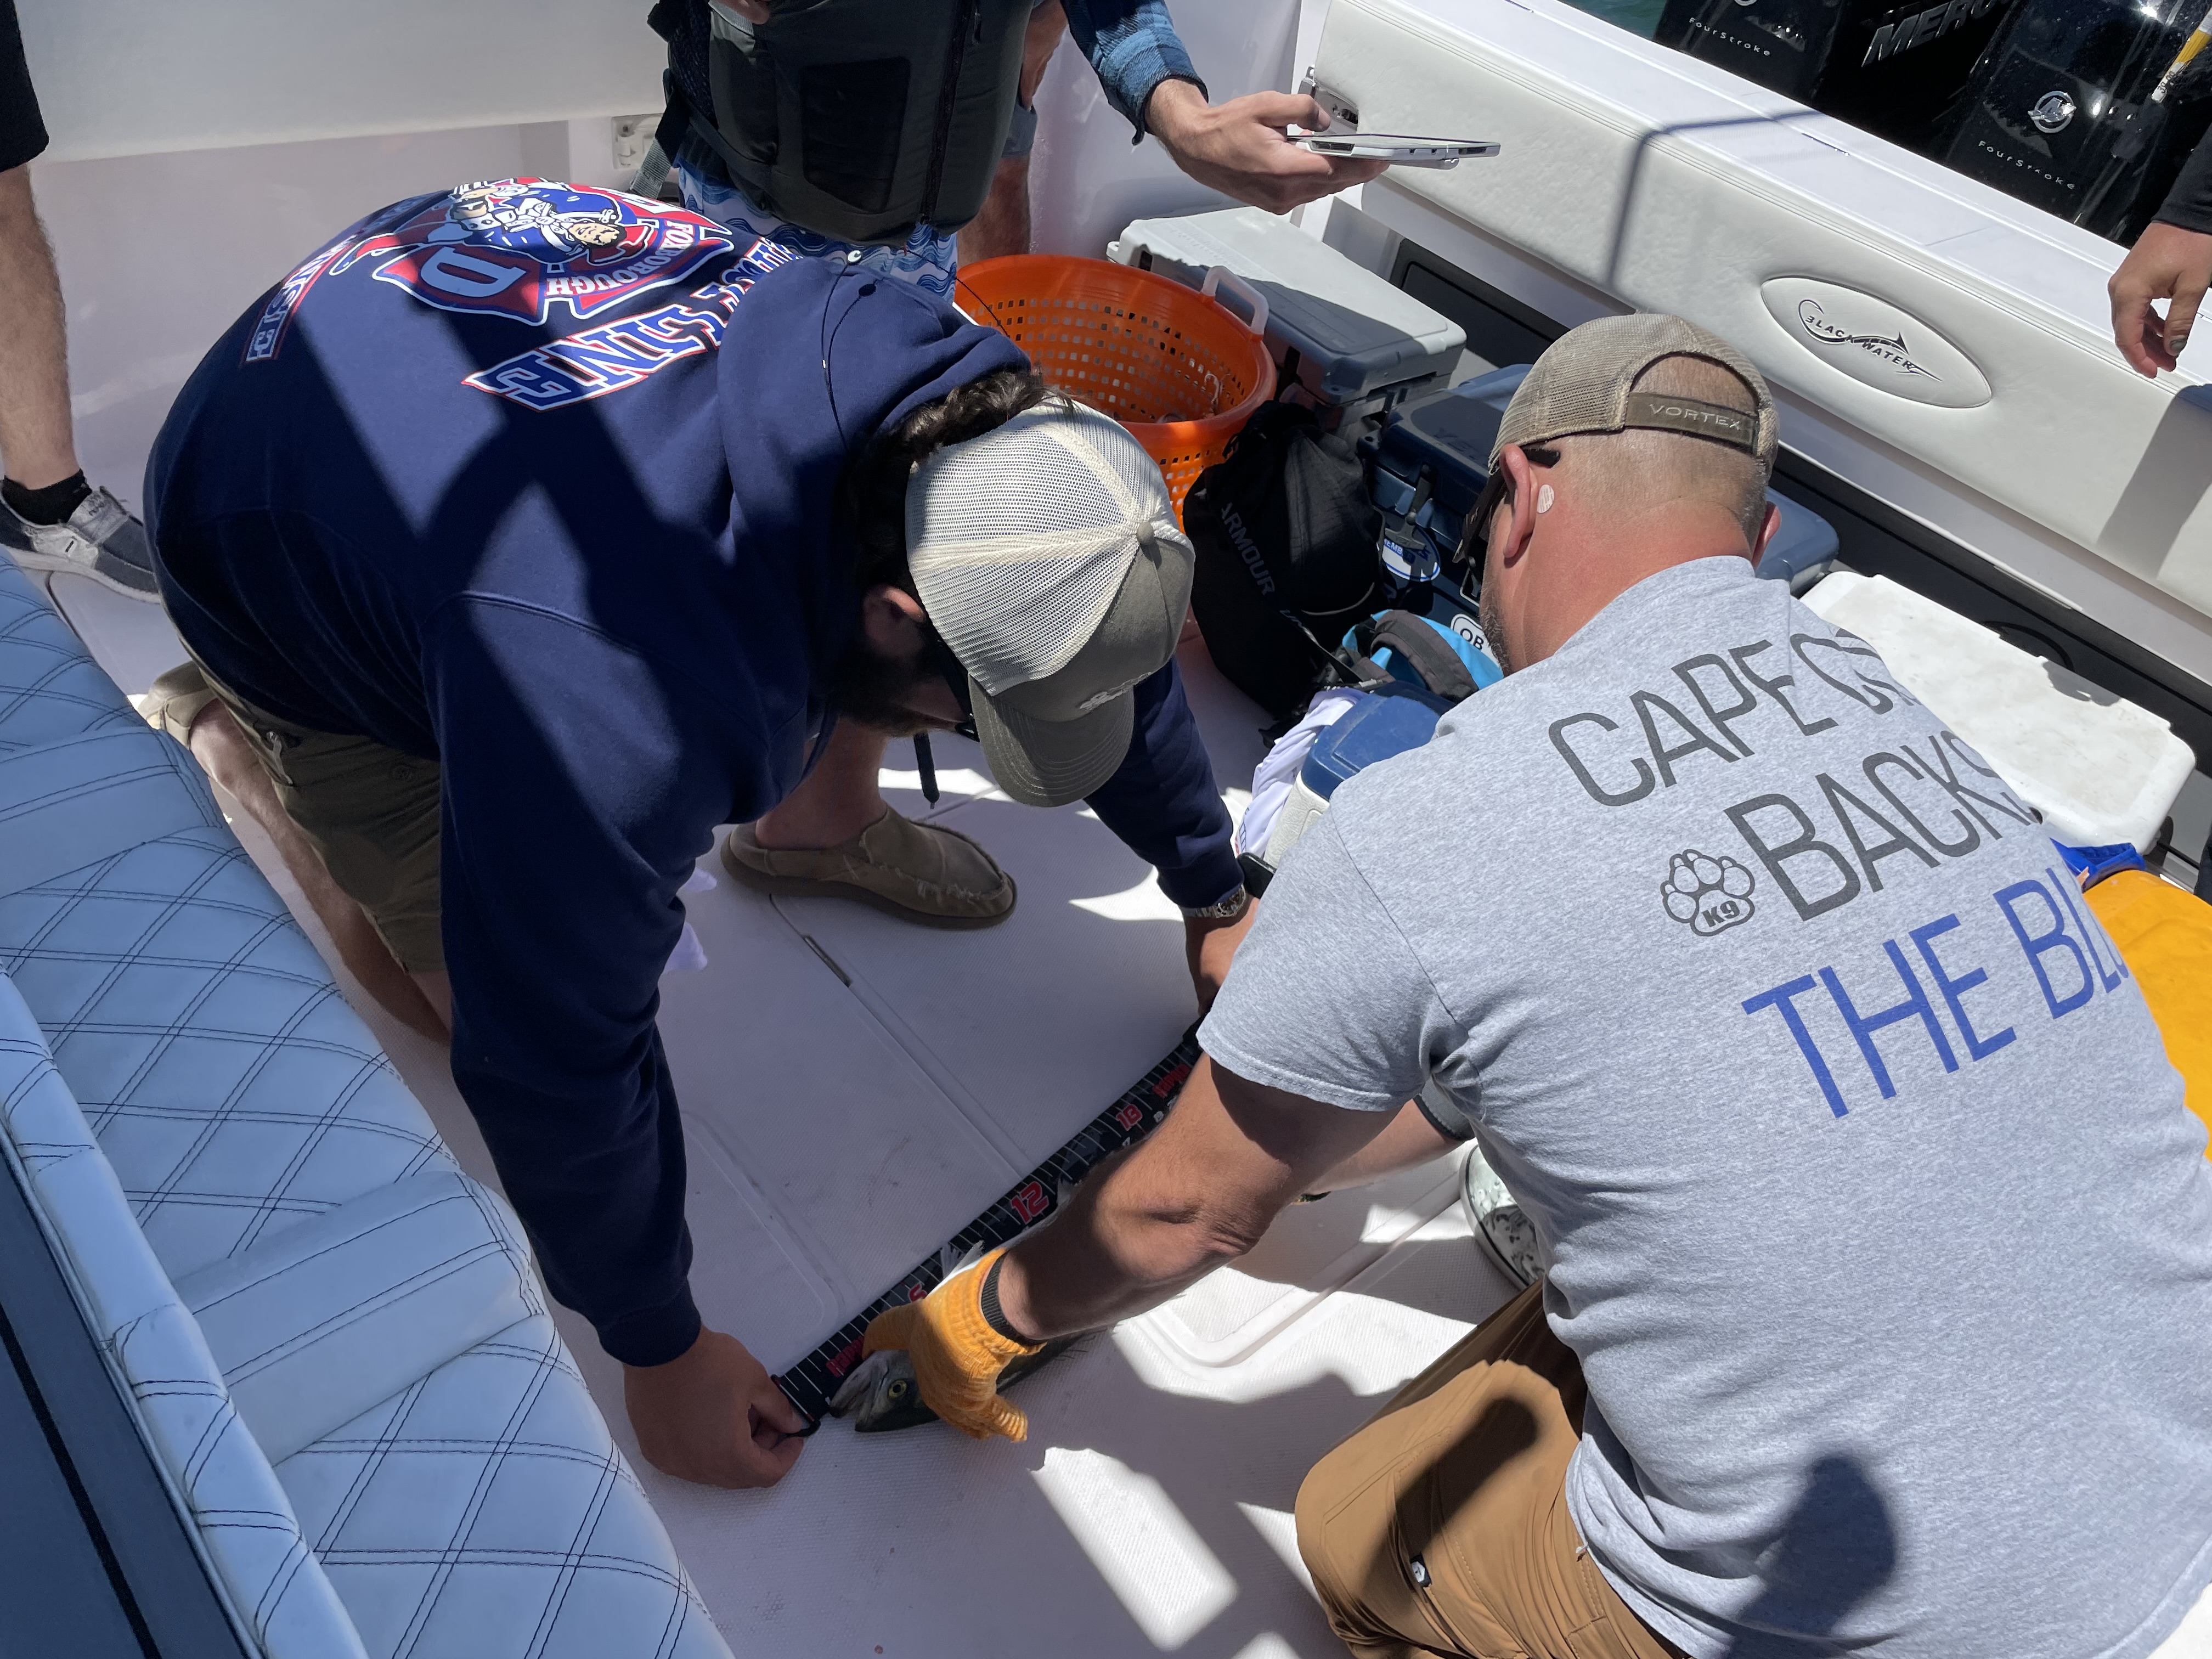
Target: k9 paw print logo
<point>1712,894</point>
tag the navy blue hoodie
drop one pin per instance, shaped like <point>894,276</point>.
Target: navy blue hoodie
<point>537,480</point>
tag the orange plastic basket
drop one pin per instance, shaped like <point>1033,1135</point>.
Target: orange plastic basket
<point>1174,366</point>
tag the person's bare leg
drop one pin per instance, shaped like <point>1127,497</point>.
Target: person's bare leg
<point>1048,27</point>
<point>839,799</point>
<point>437,990</point>
<point>1002,226</point>
<point>36,444</point>
<point>1410,1141</point>
<point>228,755</point>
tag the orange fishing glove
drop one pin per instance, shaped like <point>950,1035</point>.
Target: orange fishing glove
<point>956,1355</point>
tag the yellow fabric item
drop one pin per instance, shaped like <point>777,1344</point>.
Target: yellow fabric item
<point>2165,936</point>
<point>956,1355</point>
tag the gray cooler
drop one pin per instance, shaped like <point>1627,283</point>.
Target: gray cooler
<point>1362,345</point>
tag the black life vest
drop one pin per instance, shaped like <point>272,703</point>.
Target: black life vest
<point>861,118</point>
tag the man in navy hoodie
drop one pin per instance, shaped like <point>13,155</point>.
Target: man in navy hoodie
<point>526,532</point>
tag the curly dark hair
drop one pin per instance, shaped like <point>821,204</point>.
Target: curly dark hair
<point>872,492</point>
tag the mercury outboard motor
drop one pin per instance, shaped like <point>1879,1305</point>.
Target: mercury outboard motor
<point>2087,108</point>
<point>1895,71</point>
<point>861,118</point>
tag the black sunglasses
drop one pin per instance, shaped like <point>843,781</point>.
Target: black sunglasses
<point>949,668</point>
<point>1475,530</point>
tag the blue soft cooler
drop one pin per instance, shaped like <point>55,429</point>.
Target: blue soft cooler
<point>1803,542</point>
<point>1379,728</point>
<point>1447,438</point>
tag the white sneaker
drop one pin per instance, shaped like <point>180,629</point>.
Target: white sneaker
<point>1507,1236</point>
<point>100,540</point>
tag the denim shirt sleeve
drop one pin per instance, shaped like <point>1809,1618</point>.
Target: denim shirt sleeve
<point>1133,47</point>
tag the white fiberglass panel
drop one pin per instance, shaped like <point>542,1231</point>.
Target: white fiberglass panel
<point>965,1002</point>
<point>806,1119</point>
<point>1653,182</point>
<point>117,78</point>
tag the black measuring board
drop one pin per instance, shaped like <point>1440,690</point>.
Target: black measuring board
<point>1134,1114</point>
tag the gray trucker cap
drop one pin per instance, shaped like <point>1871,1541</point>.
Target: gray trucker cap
<point>1048,556</point>
<point>1585,383</point>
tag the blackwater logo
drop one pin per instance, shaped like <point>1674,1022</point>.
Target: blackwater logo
<point>1241,539</point>
<point>1875,342</point>
<point>1890,347</point>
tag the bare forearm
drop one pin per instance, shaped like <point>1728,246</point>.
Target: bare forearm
<point>1199,1193</point>
<point>1107,1258</point>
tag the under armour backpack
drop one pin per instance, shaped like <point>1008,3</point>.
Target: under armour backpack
<point>1287,538</point>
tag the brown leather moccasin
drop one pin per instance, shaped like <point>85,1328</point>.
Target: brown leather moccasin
<point>917,872</point>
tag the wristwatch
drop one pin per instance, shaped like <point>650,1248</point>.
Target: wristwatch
<point>1228,910</point>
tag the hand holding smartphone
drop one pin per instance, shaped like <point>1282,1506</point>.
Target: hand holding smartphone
<point>1397,148</point>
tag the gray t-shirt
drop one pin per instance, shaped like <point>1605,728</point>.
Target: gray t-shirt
<point>1870,1202</point>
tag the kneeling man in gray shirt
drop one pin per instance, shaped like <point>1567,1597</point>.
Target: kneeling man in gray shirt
<point>1877,1311</point>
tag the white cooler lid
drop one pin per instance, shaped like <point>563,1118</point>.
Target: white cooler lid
<point>2100,770</point>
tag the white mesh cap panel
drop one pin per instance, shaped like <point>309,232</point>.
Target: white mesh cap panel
<point>1018,540</point>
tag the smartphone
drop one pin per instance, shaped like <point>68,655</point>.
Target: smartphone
<point>1395,149</point>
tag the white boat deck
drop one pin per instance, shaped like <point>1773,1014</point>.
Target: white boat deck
<point>838,1132</point>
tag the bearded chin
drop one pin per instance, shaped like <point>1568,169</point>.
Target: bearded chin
<point>874,692</point>
<point>1493,629</point>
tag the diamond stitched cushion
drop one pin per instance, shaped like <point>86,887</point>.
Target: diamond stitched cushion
<point>262,1564</point>
<point>315,1326</point>
<point>233,1089</point>
<point>485,1513</point>
<point>50,688</point>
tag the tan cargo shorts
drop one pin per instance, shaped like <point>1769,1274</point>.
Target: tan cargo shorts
<point>371,811</point>
<point>1441,1527</point>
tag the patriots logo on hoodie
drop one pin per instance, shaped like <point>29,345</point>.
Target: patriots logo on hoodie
<point>511,247</point>
<point>623,350</point>
<point>519,246</point>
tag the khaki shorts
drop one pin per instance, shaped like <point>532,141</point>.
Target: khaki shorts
<point>1441,1527</point>
<point>371,811</point>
